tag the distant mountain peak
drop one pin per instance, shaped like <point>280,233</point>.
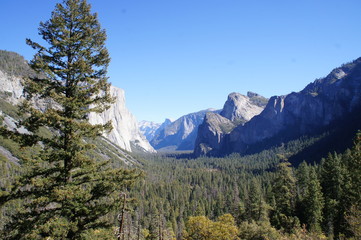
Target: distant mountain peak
<point>237,110</point>
<point>240,108</point>
<point>181,133</point>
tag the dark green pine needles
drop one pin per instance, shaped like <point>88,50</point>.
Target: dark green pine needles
<point>64,193</point>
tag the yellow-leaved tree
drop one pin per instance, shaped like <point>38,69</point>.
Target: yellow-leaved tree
<point>202,228</point>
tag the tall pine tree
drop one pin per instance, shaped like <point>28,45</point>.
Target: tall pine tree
<point>284,193</point>
<point>65,192</point>
<point>333,184</point>
<point>314,203</point>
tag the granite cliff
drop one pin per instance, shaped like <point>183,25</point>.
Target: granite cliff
<point>320,105</point>
<point>237,110</point>
<point>125,131</point>
<point>180,134</point>
<point>152,129</point>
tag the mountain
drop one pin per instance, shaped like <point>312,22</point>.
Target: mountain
<point>237,110</point>
<point>324,105</point>
<point>180,134</point>
<point>211,132</point>
<point>151,129</point>
<point>148,129</point>
<point>125,133</point>
<point>242,108</point>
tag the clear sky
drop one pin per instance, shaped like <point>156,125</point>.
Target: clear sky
<point>174,57</point>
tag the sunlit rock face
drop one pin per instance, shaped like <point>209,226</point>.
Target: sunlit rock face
<point>240,108</point>
<point>125,132</point>
<point>152,129</point>
<point>11,87</point>
<point>180,134</point>
<point>237,110</point>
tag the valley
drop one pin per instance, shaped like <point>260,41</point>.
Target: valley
<point>76,164</point>
<point>241,154</point>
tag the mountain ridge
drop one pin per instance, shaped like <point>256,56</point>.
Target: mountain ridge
<point>181,134</point>
<point>317,106</point>
<point>237,110</point>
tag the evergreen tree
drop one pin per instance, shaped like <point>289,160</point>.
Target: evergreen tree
<point>303,178</point>
<point>284,192</point>
<point>353,165</point>
<point>351,199</point>
<point>255,207</point>
<point>65,192</point>
<point>333,182</point>
<point>314,203</point>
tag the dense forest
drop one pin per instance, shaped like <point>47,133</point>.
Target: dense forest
<point>60,179</point>
<point>259,196</point>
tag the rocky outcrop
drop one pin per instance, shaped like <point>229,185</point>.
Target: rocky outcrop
<point>151,129</point>
<point>180,134</point>
<point>11,88</point>
<point>237,110</point>
<point>125,132</point>
<point>240,108</point>
<point>211,133</point>
<point>148,129</point>
<point>318,106</point>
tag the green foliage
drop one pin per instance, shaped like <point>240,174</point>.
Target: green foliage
<point>65,192</point>
<point>322,198</point>
<point>8,109</point>
<point>353,218</point>
<point>13,64</point>
<point>314,203</point>
<point>256,208</point>
<point>257,231</point>
<point>284,193</point>
<point>302,234</point>
<point>333,183</point>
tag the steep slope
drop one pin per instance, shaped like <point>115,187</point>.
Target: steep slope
<point>151,129</point>
<point>242,108</point>
<point>322,105</point>
<point>180,134</point>
<point>148,129</point>
<point>125,131</point>
<point>211,132</point>
<point>237,110</point>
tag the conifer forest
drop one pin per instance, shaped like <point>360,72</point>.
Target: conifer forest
<point>66,181</point>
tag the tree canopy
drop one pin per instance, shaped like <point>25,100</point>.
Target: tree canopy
<point>65,192</point>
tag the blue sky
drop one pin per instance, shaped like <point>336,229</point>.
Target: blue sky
<point>174,57</point>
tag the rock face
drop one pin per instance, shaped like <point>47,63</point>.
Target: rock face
<point>11,88</point>
<point>211,133</point>
<point>316,107</point>
<point>148,129</point>
<point>151,129</point>
<point>240,108</point>
<point>180,134</point>
<point>237,110</point>
<point>125,131</point>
